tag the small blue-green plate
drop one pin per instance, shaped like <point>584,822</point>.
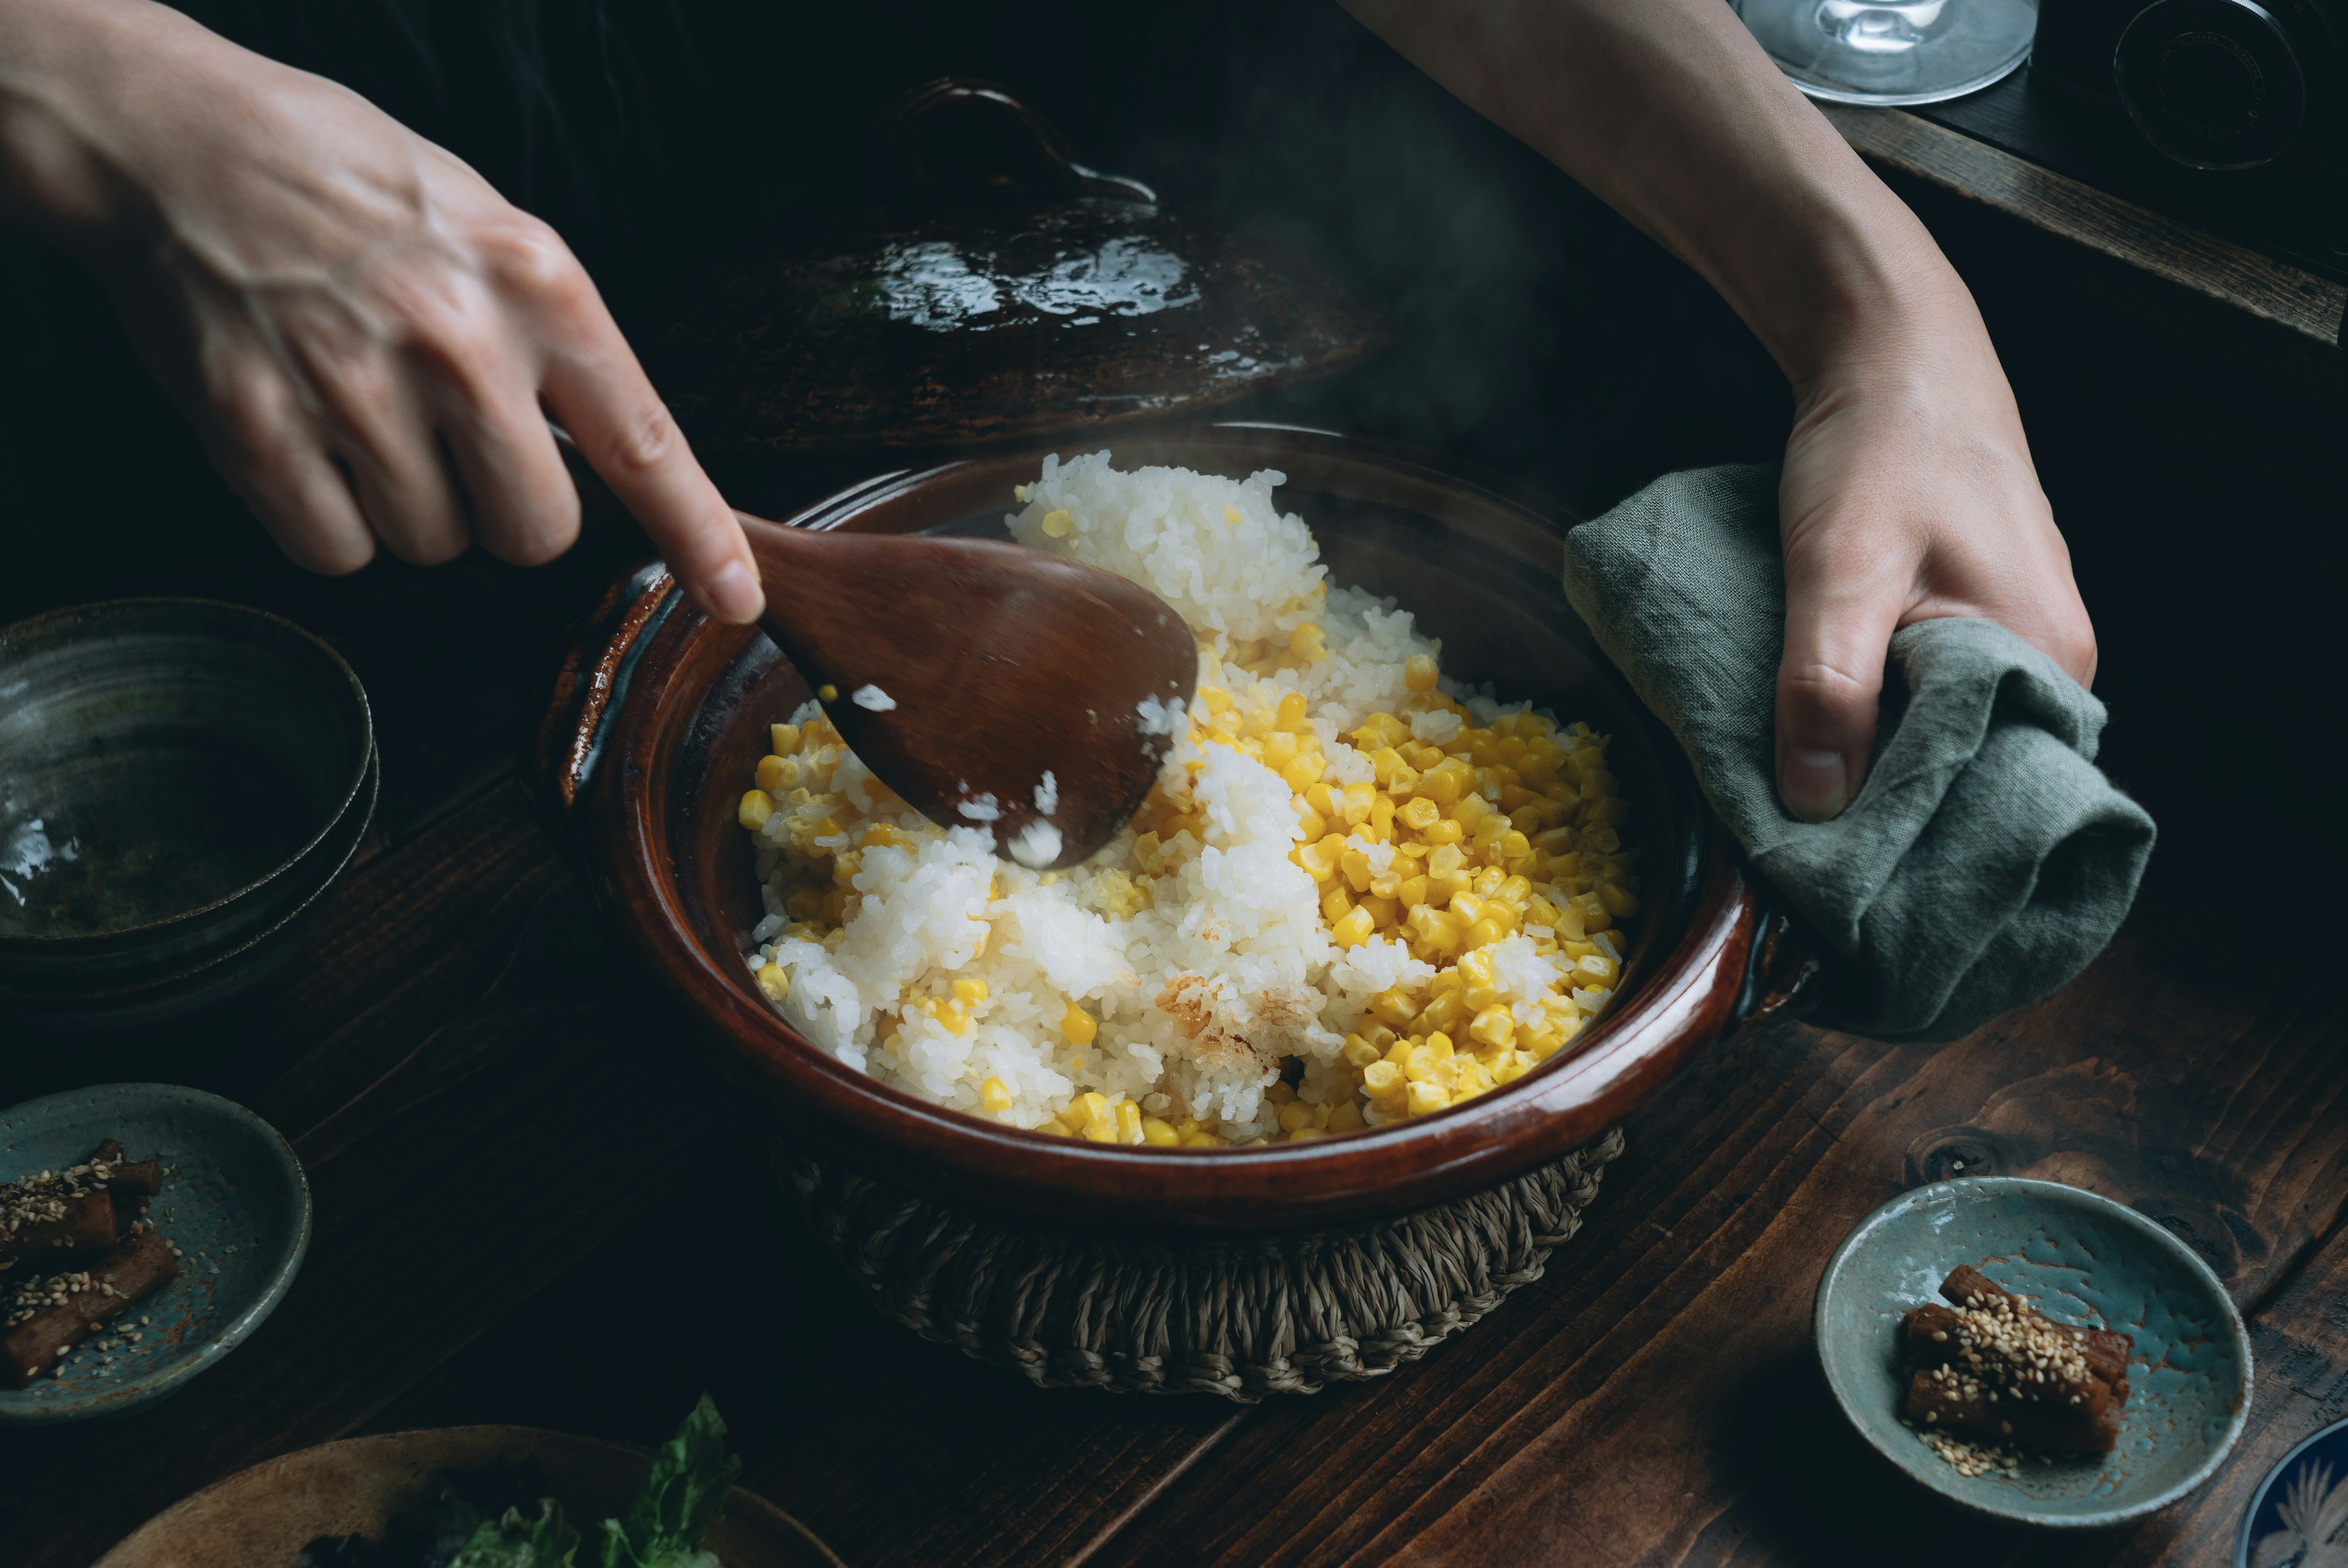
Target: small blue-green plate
<point>234,1201</point>
<point>2081,1259</point>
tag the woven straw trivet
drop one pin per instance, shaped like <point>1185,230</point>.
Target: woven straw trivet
<point>1240,1316</point>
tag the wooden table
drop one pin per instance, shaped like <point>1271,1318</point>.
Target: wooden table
<point>522,1186</point>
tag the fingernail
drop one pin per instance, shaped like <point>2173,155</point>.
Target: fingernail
<point>734,594</point>
<point>1816,785</point>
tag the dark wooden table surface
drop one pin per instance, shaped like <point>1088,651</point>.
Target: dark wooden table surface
<point>515,1166</point>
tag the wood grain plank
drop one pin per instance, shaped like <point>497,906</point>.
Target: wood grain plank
<point>894,1451</point>
<point>2296,301</point>
<point>2299,1348</point>
<point>1654,1401</point>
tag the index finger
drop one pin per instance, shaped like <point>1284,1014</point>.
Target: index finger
<point>599,393</point>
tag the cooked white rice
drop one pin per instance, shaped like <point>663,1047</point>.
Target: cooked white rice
<point>1199,951</point>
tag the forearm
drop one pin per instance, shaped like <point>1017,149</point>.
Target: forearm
<point>59,59</point>
<point>1671,114</point>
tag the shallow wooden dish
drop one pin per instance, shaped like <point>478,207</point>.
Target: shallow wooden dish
<point>660,715</point>
<point>263,1517</point>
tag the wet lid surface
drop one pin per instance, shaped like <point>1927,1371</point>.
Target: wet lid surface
<point>1007,291</point>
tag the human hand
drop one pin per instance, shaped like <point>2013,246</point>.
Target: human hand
<point>368,338</point>
<point>1907,495</point>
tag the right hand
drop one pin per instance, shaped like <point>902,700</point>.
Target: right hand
<point>368,339</point>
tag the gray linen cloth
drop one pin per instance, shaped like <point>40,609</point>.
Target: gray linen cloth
<point>1986,859</point>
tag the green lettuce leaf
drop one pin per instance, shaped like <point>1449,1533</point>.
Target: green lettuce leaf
<point>682,1492</point>
<point>520,1540</point>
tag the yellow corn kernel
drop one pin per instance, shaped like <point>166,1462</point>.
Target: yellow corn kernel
<point>1353,928</point>
<point>1290,713</point>
<point>1321,859</point>
<point>1078,1025</point>
<point>1295,1115</point>
<point>1356,865</point>
<point>1474,1079</point>
<point>1432,927</point>
<point>784,738</point>
<point>756,806</point>
<point>1381,815</point>
<point>1309,641</point>
<point>1426,1098</point>
<point>1596,972</point>
<point>993,1095</point>
<point>1382,1079</point>
<point>1057,523</point>
<point>1385,913</point>
<point>1311,827</point>
<point>775,981</point>
<point>1418,813</point>
<point>1384,763</point>
<point>1469,811</point>
<point>1618,900</point>
<point>1158,1134</point>
<point>1442,833</point>
<point>1474,969</point>
<point>1334,904</point>
<point>1494,1029</point>
<point>1418,673</point>
<point>1279,1093</point>
<point>1306,1134</point>
<point>1448,1011</point>
<point>1346,1118</point>
<point>1128,1121</point>
<point>1439,1047</point>
<point>826,693</point>
<point>951,1018</point>
<point>1279,751</point>
<point>969,991</point>
<point>1301,772</point>
<point>1394,1008</point>
<point>1231,516</point>
<point>1516,892</point>
<point>1592,909</point>
<point>1093,1108</point>
<point>1358,799</point>
<point>1444,783</point>
<point>1411,892</point>
<point>1360,1051</point>
<point>1200,1140</point>
<point>777,775</point>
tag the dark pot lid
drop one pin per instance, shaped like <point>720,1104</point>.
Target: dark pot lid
<point>1010,292</point>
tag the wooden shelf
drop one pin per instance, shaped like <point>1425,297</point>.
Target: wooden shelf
<point>2298,302</point>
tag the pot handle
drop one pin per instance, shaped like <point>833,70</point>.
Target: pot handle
<point>1027,154</point>
<point>1784,966</point>
<point>597,660</point>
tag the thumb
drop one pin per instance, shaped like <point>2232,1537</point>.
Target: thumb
<point>1839,627</point>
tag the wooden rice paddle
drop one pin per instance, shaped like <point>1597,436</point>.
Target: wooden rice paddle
<point>1003,665</point>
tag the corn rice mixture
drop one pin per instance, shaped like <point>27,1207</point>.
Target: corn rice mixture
<point>1358,892</point>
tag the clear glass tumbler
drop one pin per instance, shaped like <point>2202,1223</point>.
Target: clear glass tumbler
<point>1892,51</point>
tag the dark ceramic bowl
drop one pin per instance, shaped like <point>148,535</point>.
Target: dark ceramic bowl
<point>234,1201</point>
<point>2081,1259</point>
<point>263,1517</point>
<point>180,780</point>
<point>661,713</point>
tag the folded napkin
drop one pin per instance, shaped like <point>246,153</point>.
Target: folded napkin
<point>1985,861</point>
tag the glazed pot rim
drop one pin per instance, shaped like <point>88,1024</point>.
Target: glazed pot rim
<point>365,760</point>
<point>1695,980</point>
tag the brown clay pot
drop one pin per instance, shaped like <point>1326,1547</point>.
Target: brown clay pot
<point>659,717</point>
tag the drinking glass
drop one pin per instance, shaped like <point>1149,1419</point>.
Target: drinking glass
<point>1892,51</point>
